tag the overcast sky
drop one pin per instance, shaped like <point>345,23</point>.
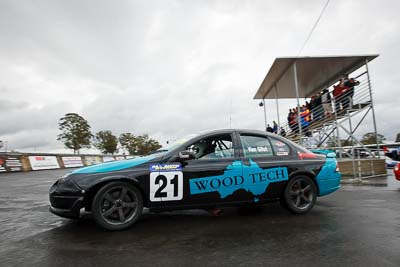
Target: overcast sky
<point>169,68</point>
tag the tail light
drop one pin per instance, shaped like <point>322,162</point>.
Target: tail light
<point>396,168</point>
<point>337,168</point>
<point>307,155</point>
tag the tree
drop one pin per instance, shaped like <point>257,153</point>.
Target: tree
<point>347,142</point>
<point>370,138</point>
<point>76,132</point>
<point>127,141</point>
<point>138,145</point>
<point>146,145</point>
<point>106,142</point>
<point>332,142</point>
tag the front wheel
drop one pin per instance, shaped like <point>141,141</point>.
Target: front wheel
<point>300,194</point>
<point>117,206</point>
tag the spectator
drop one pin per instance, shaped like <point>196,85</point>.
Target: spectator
<point>343,92</point>
<point>326,102</point>
<point>289,116</point>
<point>309,104</point>
<point>293,121</point>
<point>338,91</point>
<point>350,83</point>
<point>312,105</point>
<point>269,129</point>
<point>317,107</point>
<point>305,119</point>
<point>275,128</point>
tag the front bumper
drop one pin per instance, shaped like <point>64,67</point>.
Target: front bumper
<point>66,206</point>
<point>66,199</point>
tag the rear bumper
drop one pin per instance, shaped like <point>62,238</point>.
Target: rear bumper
<point>327,186</point>
<point>328,179</point>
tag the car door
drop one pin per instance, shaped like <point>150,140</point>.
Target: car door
<point>208,179</point>
<point>265,164</point>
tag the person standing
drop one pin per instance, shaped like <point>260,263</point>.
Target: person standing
<point>326,102</point>
<point>338,94</point>
<point>317,107</point>
<point>348,97</point>
<point>275,127</point>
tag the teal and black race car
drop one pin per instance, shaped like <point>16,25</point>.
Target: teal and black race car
<point>208,170</point>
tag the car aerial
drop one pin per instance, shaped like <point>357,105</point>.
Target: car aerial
<point>203,171</point>
<point>396,171</point>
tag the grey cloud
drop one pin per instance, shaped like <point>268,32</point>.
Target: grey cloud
<point>168,68</point>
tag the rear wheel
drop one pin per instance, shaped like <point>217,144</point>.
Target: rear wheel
<point>117,206</point>
<point>300,194</point>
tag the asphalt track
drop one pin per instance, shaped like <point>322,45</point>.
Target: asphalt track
<point>356,226</point>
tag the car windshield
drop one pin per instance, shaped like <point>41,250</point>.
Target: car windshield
<point>175,143</point>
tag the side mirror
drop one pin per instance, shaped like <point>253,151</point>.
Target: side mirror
<point>186,155</point>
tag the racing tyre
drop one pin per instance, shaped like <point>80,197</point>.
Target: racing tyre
<point>300,194</point>
<point>117,206</point>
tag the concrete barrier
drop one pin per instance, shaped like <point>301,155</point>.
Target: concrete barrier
<point>9,162</point>
<point>14,162</point>
<point>362,167</point>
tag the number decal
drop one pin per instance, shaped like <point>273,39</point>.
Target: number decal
<point>166,185</point>
<point>175,183</point>
<point>159,193</point>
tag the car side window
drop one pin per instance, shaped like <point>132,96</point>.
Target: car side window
<point>256,146</point>
<point>215,147</point>
<point>280,148</point>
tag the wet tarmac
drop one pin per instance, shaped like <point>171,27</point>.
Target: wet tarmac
<point>357,226</point>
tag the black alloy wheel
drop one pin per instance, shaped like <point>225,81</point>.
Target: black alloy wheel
<point>117,206</point>
<point>300,194</point>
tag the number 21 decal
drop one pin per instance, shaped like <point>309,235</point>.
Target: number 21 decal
<point>166,183</point>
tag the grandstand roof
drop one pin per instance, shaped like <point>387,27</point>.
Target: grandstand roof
<point>313,74</point>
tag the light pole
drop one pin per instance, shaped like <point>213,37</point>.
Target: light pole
<point>4,144</point>
<point>262,104</point>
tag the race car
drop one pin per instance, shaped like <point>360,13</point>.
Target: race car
<point>390,163</point>
<point>202,171</point>
<point>396,171</point>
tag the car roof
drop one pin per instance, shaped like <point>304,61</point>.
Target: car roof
<point>222,131</point>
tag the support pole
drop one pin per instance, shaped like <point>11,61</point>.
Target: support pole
<point>277,109</point>
<point>338,140</point>
<point>296,87</point>
<point>352,144</point>
<point>337,129</point>
<point>372,105</point>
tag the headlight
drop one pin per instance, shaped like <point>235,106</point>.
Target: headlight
<point>66,184</point>
<point>62,179</point>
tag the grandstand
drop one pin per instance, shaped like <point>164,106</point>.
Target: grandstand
<point>299,78</point>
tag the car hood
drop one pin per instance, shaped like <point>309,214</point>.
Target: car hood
<point>114,165</point>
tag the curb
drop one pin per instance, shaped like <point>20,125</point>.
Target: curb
<point>382,181</point>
